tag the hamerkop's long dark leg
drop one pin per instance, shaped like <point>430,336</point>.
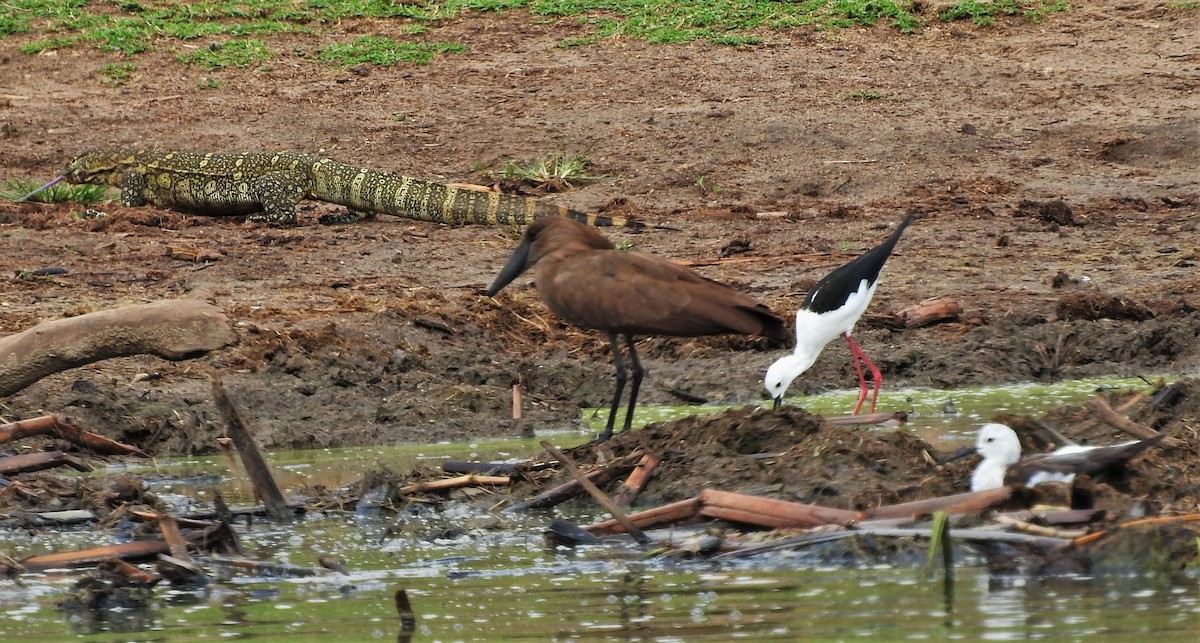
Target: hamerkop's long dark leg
<point>616,400</point>
<point>638,371</point>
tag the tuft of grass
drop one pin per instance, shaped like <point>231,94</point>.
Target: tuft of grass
<point>383,51</point>
<point>864,95</point>
<point>116,73</point>
<point>47,44</point>
<point>554,173</point>
<point>235,53</point>
<point>84,194</point>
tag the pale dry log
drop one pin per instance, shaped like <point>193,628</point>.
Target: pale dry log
<point>174,330</point>
<point>930,311</point>
<point>469,480</point>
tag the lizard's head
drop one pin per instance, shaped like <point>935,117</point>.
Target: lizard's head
<point>99,166</point>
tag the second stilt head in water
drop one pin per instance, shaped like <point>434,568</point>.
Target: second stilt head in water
<point>831,308</point>
<point>585,280</point>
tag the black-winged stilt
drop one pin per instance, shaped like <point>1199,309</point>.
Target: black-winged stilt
<point>832,308</point>
<point>1002,462</point>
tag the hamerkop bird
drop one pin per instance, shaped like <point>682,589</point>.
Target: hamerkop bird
<point>832,308</point>
<point>584,279</point>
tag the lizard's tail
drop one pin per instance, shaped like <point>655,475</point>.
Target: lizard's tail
<point>598,220</point>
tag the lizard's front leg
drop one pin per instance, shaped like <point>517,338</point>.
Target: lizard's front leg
<point>279,193</point>
<point>133,188</point>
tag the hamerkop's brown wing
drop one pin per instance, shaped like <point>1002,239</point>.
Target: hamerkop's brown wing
<point>584,280</point>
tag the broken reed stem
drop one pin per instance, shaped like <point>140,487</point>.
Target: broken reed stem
<point>516,402</point>
<point>226,447</point>
<point>606,502</point>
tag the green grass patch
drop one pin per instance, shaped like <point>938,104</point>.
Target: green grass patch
<point>116,73</point>
<point>130,27</point>
<point>553,173</point>
<point>235,53</point>
<point>14,190</point>
<point>985,13</point>
<point>384,51</point>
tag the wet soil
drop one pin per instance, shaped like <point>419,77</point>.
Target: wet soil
<point>1056,162</point>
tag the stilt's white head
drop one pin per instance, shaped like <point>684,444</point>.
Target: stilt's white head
<point>787,368</point>
<point>1000,448</point>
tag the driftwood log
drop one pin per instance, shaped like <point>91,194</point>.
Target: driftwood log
<point>174,330</point>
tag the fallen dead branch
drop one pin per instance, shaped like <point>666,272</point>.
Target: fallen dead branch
<point>768,512</point>
<point>777,514</point>
<point>27,462</point>
<point>133,550</point>
<point>969,535</point>
<point>1095,536</point>
<point>677,512</point>
<point>174,330</point>
<point>970,502</point>
<point>469,480</point>
<point>52,426</point>
<point>1106,414</point>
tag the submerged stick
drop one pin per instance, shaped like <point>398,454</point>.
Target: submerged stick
<point>408,618</point>
<point>571,488</point>
<point>602,498</point>
<point>256,466</point>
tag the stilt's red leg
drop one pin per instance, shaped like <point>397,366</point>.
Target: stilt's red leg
<point>856,357</point>
<point>876,376</point>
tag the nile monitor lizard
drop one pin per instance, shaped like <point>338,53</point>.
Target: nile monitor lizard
<point>268,186</point>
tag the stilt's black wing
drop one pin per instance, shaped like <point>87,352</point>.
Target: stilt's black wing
<point>832,291</point>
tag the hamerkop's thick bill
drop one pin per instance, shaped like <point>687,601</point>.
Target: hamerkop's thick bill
<point>584,279</point>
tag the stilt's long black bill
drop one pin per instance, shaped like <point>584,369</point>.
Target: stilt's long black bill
<point>511,270</point>
<point>44,187</point>
<point>778,403</point>
<point>959,454</point>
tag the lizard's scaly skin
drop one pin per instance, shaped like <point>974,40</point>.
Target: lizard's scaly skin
<point>267,186</point>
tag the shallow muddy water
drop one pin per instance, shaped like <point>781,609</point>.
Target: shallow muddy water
<point>480,583</point>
